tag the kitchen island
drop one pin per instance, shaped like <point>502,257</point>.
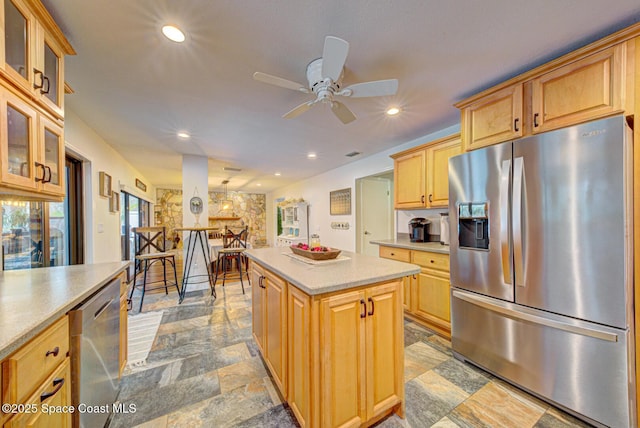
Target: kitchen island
<point>331,334</point>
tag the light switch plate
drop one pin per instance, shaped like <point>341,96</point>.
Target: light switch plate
<point>343,225</point>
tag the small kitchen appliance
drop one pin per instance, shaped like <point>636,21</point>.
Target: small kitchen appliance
<point>419,229</point>
<point>444,228</point>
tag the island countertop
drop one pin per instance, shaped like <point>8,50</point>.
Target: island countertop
<point>353,270</point>
<point>32,299</point>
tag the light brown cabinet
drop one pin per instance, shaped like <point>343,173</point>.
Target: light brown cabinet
<point>583,90</point>
<point>38,373</point>
<point>270,322</point>
<point>124,339</point>
<point>421,174</point>
<point>33,50</point>
<point>427,294</point>
<point>299,355</point>
<point>359,338</point>
<point>562,93</point>
<point>493,119</point>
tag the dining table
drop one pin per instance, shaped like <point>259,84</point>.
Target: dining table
<point>197,238</point>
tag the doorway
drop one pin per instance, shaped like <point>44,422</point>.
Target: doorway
<point>374,211</point>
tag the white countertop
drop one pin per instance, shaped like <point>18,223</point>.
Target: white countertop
<point>32,299</point>
<point>332,275</point>
<point>434,247</point>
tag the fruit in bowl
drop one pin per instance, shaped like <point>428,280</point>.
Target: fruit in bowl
<point>315,253</point>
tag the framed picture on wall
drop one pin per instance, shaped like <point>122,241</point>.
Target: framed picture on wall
<point>114,202</point>
<point>340,202</point>
<point>140,185</point>
<point>105,184</point>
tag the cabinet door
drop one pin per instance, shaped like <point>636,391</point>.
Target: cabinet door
<point>18,142</point>
<point>409,180</point>
<point>580,91</point>
<point>406,297</point>
<point>257,305</point>
<point>438,170</point>
<point>55,391</point>
<point>15,46</point>
<point>50,60</point>
<point>276,330</point>
<point>299,355</point>
<point>433,299</point>
<point>52,156</point>
<point>493,119</point>
<point>123,333</point>
<point>385,341</point>
<point>342,343</point>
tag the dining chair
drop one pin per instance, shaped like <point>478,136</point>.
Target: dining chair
<point>151,247</point>
<point>234,245</point>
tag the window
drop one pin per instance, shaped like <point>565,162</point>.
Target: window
<point>134,212</point>
<point>38,234</point>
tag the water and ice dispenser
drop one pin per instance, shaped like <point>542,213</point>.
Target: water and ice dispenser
<point>473,225</point>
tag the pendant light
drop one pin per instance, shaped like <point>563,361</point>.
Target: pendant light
<point>226,204</point>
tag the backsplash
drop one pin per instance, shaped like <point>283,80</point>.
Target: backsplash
<point>404,216</point>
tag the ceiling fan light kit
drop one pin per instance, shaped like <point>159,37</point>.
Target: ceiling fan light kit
<point>324,76</point>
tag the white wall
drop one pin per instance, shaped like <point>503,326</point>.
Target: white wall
<point>315,191</point>
<point>102,228</point>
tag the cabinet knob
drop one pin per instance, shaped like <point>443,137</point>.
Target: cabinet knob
<point>422,199</point>
<point>372,307</point>
<point>430,198</point>
<point>535,120</point>
<point>515,124</point>
<point>432,261</point>
<point>363,313</point>
<point>393,254</point>
<point>35,73</point>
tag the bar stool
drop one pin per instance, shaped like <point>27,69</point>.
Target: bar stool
<point>234,246</point>
<point>150,244</point>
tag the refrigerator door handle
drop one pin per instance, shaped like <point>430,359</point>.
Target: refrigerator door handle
<point>505,178</point>
<point>518,181</point>
<point>486,303</point>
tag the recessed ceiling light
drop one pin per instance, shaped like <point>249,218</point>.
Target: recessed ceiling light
<point>173,33</point>
<point>311,155</point>
<point>277,174</point>
<point>259,184</point>
<point>393,111</point>
<point>184,135</point>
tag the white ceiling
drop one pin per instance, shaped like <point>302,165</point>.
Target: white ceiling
<point>137,89</point>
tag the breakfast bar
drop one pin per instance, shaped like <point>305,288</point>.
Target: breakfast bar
<point>331,334</point>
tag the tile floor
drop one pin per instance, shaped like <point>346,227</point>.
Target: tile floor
<point>204,371</point>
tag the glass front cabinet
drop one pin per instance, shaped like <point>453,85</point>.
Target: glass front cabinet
<point>31,101</point>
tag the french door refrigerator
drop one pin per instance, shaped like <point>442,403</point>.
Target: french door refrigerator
<point>541,266</point>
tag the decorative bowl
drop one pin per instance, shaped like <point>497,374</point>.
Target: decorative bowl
<point>316,255</point>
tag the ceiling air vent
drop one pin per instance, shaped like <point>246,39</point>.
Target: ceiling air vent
<point>352,154</point>
<point>228,168</point>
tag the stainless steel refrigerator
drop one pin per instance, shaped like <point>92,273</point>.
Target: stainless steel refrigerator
<point>541,266</point>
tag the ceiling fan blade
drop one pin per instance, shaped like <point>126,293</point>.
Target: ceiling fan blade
<point>342,112</point>
<point>279,81</point>
<point>371,89</point>
<point>334,56</point>
<point>297,111</point>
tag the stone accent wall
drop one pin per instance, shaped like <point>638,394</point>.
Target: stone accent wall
<point>250,207</point>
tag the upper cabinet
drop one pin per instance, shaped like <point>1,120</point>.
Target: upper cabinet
<point>588,84</point>
<point>580,91</point>
<point>31,102</point>
<point>32,52</point>
<point>494,118</point>
<point>421,174</point>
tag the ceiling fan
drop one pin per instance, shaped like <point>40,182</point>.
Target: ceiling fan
<point>325,81</point>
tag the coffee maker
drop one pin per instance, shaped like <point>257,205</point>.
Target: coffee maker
<point>419,229</point>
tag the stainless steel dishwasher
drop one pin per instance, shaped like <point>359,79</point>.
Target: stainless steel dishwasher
<point>95,346</point>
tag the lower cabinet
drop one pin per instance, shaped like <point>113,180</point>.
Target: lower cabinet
<point>53,394</point>
<point>426,295</point>
<point>359,341</point>
<point>36,375</point>
<point>270,322</point>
